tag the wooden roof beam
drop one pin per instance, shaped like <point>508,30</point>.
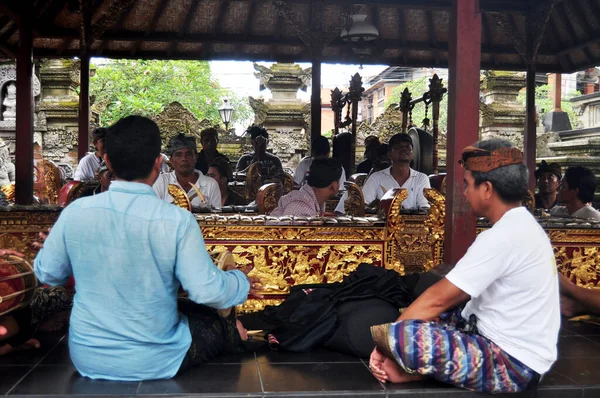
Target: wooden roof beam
<point>155,17</point>
<point>488,36</point>
<point>402,34</point>
<point>118,25</point>
<point>560,14</point>
<point>189,16</point>
<point>248,26</point>
<point>431,33</point>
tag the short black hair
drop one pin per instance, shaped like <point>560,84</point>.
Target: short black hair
<point>320,146</point>
<point>132,146</point>
<point>223,167</point>
<point>582,178</point>
<point>398,138</point>
<point>99,133</point>
<point>256,131</point>
<point>510,182</point>
<point>323,172</point>
<point>209,131</point>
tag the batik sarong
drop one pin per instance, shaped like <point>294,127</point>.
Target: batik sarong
<point>451,351</point>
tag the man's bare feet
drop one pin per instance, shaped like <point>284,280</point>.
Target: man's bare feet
<point>395,374</point>
<point>569,307</point>
<point>29,345</point>
<point>242,330</point>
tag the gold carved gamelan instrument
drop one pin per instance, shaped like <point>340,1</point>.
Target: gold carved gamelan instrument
<point>17,283</point>
<point>180,198</point>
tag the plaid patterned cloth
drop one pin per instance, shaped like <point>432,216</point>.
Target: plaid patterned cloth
<point>449,353</point>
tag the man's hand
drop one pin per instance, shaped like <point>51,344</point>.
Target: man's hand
<point>7,252</point>
<point>255,283</point>
<point>43,237</point>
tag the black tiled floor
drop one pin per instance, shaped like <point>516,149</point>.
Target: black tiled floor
<point>49,372</point>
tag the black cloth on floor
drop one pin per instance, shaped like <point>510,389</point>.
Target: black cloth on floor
<point>310,315</point>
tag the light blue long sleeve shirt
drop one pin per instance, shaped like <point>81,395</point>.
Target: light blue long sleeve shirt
<point>129,252</point>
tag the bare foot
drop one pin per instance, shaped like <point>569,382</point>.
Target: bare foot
<point>29,345</point>
<point>395,374</point>
<point>569,307</point>
<point>242,330</point>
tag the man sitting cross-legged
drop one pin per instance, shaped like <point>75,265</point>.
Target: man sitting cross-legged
<point>505,337</point>
<point>130,252</point>
<point>309,200</point>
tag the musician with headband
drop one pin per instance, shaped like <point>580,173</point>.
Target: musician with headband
<point>491,325</point>
<point>202,191</point>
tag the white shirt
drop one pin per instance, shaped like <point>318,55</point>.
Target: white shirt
<point>510,274</point>
<point>87,167</point>
<point>586,211</point>
<point>206,185</point>
<point>164,167</point>
<point>301,173</point>
<point>382,181</point>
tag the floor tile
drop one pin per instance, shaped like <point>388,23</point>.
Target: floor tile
<point>580,370</point>
<point>591,392</point>
<point>63,379</point>
<point>582,328</point>
<point>59,355</point>
<point>31,357</point>
<point>567,392</point>
<point>10,375</point>
<point>209,379</point>
<point>577,347</point>
<point>318,355</point>
<point>554,378</point>
<point>319,377</point>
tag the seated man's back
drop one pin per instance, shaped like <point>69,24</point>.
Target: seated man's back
<point>129,252</point>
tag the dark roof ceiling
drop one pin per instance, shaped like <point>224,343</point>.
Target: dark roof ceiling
<point>412,32</point>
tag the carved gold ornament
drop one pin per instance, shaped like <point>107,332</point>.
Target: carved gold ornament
<point>179,196</point>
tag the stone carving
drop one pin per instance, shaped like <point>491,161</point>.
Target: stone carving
<point>10,103</point>
<point>175,119</point>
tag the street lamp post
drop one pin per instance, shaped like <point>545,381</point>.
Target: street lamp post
<point>226,110</point>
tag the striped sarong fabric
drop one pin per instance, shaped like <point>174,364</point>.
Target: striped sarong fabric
<point>446,352</point>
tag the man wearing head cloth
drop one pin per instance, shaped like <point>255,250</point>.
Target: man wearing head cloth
<point>89,164</point>
<point>183,153</point>
<point>547,177</point>
<point>504,339</point>
<point>319,149</point>
<point>398,175</point>
<point>309,200</point>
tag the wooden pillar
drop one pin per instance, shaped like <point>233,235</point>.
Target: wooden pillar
<point>315,100</point>
<point>463,122</point>
<point>557,92</point>
<point>24,119</point>
<point>529,141</point>
<point>83,135</point>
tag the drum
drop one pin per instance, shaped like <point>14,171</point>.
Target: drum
<point>17,283</point>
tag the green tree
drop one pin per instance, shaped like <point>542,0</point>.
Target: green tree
<point>125,87</point>
<point>545,104</point>
<point>417,88</point>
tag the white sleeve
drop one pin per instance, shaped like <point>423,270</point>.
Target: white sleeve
<point>160,187</point>
<point>214,194</point>
<point>342,178</point>
<point>421,199</point>
<point>371,189</point>
<point>300,172</point>
<point>85,170</point>
<point>340,206</point>
<point>484,262</point>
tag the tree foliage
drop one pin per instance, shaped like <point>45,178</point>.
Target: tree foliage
<point>545,104</point>
<point>125,87</point>
<point>417,87</point>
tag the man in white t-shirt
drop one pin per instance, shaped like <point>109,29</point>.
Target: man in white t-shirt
<point>576,193</point>
<point>183,153</point>
<point>398,175</point>
<point>90,163</point>
<point>504,339</point>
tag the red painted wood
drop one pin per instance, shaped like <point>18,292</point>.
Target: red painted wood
<point>529,141</point>
<point>463,122</point>
<point>315,101</point>
<point>24,119</point>
<point>83,134</point>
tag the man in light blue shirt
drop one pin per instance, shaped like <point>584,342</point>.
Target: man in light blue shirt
<point>130,252</point>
